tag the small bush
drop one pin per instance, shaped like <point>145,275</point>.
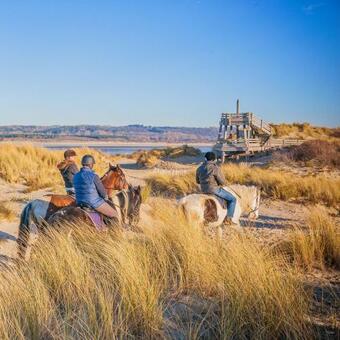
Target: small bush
<point>319,152</point>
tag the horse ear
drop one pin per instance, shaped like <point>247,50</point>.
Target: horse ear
<point>138,189</point>
<point>118,167</point>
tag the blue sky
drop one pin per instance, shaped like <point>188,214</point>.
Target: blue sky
<point>178,62</point>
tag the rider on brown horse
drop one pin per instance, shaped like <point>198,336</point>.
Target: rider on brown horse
<point>89,189</point>
<point>68,168</point>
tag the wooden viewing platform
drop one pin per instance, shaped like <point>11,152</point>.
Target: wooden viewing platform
<point>245,133</point>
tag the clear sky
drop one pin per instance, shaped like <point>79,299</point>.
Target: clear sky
<point>168,62</point>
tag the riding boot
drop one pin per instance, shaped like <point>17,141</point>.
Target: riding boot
<point>228,221</point>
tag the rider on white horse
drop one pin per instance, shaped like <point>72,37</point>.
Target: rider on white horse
<point>211,180</point>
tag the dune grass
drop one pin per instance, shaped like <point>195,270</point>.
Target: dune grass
<point>274,183</point>
<point>36,167</point>
<point>318,245</point>
<point>170,281</point>
<point>305,131</point>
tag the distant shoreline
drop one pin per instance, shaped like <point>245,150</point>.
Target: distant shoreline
<point>74,143</point>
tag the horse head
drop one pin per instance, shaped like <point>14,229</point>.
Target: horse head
<point>135,201</point>
<point>114,179</point>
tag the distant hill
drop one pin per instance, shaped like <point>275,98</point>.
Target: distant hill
<point>142,133</point>
<point>129,133</point>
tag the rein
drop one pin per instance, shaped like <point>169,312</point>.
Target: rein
<point>251,210</point>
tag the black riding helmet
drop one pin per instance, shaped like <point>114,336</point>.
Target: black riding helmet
<point>210,156</point>
<point>88,160</point>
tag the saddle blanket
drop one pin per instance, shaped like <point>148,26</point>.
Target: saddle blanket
<point>223,202</point>
<point>97,219</point>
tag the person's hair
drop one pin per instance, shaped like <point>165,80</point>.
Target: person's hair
<point>69,153</point>
<point>210,156</point>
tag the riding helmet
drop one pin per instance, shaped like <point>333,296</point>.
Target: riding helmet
<point>69,153</point>
<point>88,160</point>
<point>210,156</point>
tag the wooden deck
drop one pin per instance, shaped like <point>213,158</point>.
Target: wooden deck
<point>245,133</point>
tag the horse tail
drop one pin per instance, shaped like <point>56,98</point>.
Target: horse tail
<point>24,230</point>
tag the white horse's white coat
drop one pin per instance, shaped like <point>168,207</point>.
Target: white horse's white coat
<point>247,203</point>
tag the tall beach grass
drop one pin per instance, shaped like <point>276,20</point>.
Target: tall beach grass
<point>171,281</point>
<point>318,245</point>
<point>274,183</point>
<point>36,167</point>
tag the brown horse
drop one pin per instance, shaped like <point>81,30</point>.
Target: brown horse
<point>126,202</point>
<point>113,179</point>
<point>39,211</point>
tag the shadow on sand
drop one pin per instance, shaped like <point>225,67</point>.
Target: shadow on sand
<point>265,221</point>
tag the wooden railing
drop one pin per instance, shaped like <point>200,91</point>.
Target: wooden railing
<point>260,124</point>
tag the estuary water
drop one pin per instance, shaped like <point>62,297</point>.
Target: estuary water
<point>121,149</point>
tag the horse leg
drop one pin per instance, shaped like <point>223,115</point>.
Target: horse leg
<point>24,231</point>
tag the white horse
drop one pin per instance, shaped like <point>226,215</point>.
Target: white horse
<point>207,209</point>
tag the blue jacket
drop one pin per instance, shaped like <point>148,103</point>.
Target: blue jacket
<point>88,187</point>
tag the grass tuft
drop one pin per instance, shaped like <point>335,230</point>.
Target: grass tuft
<point>319,245</point>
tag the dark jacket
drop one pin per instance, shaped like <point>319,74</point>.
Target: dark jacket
<point>68,169</point>
<point>210,177</point>
<point>89,188</point>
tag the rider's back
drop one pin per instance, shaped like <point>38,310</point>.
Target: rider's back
<point>209,176</point>
<point>86,191</point>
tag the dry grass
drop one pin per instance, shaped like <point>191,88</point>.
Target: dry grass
<point>305,131</point>
<point>171,281</point>
<point>318,246</point>
<point>36,167</point>
<point>7,211</point>
<point>274,183</point>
